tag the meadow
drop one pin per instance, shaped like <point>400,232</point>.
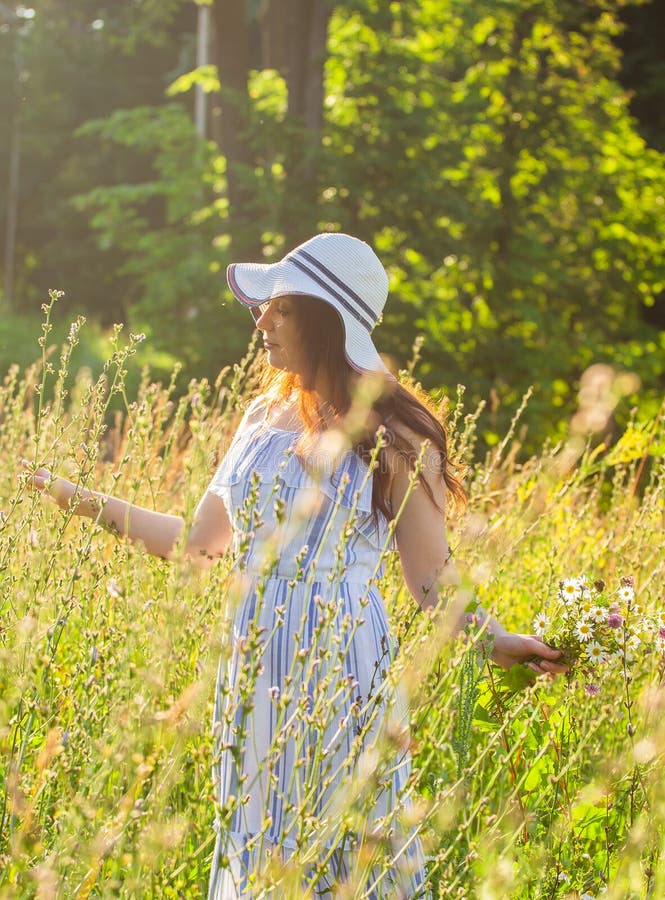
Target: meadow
<point>520,788</point>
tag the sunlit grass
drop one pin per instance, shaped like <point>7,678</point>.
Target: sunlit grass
<point>108,660</point>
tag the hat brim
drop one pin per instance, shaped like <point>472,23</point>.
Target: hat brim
<point>256,284</point>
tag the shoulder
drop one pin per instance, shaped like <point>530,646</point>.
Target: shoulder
<point>254,412</point>
<point>407,451</point>
<point>415,481</point>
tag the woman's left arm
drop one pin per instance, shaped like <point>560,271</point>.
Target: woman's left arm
<point>427,565</point>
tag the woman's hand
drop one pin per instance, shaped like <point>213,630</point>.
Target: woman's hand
<point>511,649</point>
<point>157,532</point>
<point>60,490</point>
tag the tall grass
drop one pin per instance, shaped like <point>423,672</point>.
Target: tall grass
<point>519,788</point>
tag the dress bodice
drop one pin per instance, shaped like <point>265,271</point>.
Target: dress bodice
<point>289,521</point>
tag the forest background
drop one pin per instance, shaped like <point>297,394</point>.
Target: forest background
<point>505,159</point>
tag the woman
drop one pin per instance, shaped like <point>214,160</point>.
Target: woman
<point>330,453</point>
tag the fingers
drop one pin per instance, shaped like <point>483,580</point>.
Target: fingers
<point>546,667</point>
<point>544,649</point>
<point>38,478</point>
<point>555,668</point>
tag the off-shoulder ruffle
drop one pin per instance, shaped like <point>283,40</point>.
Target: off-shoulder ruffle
<point>349,484</point>
<point>267,455</point>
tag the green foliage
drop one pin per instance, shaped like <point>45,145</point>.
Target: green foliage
<point>19,350</point>
<point>176,267</point>
<point>503,181</point>
<point>80,60</point>
<point>485,149</point>
<point>643,68</point>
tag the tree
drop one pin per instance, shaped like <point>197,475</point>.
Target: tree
<point>82,59</point>
<point>642,70</point>
<point>232,60</point>
<point>487,150</point>
<point>292,37</point>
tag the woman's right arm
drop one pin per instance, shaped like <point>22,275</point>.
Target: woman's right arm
<point>207,539</point>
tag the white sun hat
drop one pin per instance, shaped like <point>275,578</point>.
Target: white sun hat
<point>337,268</point>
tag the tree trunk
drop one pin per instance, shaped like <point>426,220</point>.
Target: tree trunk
<point>306,56</point>
<point>294,37</point>
<point>274,31</point>
<point>231,50</point>
<point>293,41</point>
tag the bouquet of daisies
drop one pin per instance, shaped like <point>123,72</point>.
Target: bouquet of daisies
<point>599,629</point>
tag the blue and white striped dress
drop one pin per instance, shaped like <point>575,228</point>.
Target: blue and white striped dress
<point>302,699</point>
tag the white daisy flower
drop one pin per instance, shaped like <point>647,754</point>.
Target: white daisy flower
<point>660,644</point>
<point>661,619</point>
<point>633,642</point>
<point>626,593</point>
<point>541,623</point>
<point>625,655</point>
<point>597,614</point>
<point>584,630</point>
<point>569,589</point>
<point>595,653</point>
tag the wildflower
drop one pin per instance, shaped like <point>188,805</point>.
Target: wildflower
<point>661,632</point>
<point>628,581</point>
<point>614,620</point>
<point>541,623</point>
<point>569,589</point>
<point>599,585</point>
<point>595,652</point>
<point>114,589</point>
<point>584,630</point>
<point>633,642</point>
<point>661,618</point>
<point>587,896</point>
<point>660,643</point>
<point>592,689</point>
<point>597,614</point>
<point>626,593</point>
<point>563,877</point>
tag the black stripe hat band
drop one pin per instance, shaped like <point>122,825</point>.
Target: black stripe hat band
<point>348,305</point>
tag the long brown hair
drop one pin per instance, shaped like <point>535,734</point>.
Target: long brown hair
<point>322,334</point>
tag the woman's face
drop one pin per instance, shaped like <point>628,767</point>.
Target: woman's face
<point>281,335</point>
